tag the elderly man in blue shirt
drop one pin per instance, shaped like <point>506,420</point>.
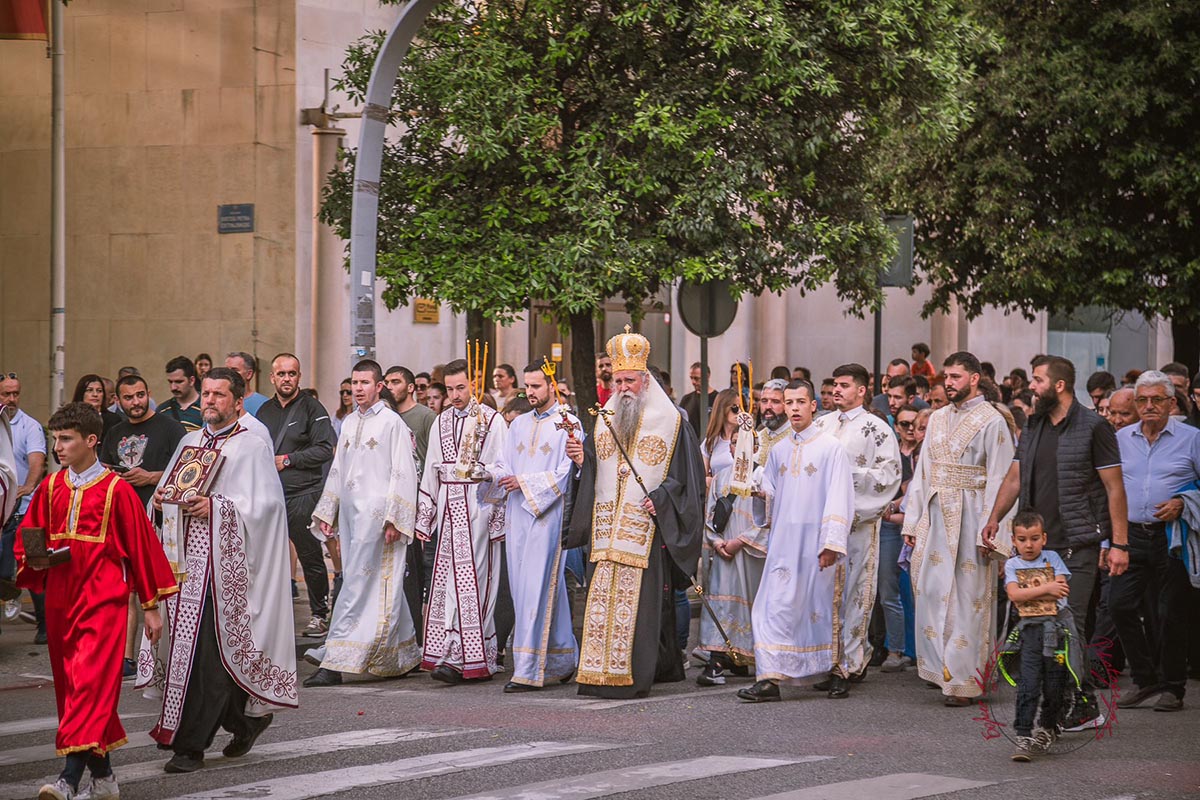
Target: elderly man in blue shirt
<point>1159,456</point>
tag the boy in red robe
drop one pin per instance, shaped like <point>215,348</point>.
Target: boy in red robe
<point>113,550</point>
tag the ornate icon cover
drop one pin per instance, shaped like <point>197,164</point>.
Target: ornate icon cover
<point>193,474</point>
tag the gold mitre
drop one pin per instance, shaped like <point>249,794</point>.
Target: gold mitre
<point>628,351</point>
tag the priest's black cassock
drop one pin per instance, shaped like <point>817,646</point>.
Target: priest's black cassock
<point>673,554</point>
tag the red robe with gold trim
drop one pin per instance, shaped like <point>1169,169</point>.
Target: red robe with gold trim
<point>113,550</point>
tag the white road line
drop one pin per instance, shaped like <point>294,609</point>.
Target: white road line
<point>45,752</point>
<point>600,704</point>
<point>633,779</point>
<point>262,754</point>
<point>900,786</point>
<point>320,784</point>
<point>44,724</point>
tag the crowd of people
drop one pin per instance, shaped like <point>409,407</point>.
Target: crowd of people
<point>440,526</point>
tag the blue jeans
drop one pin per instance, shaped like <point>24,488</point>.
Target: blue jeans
<point>890,593</point>
<point>683,618</point>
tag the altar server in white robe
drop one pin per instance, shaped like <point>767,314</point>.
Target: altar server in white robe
<point>228,656</point>
<point>807,503</point>
<point>535,481</point>
<point>875,463</point>
<point>460,629</point>
<point>967,452</point>
<point>369,506</point>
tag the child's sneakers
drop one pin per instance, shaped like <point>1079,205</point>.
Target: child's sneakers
<point>59,790</point>
<point>1044,738</point>
<point>1027,747</point>
<point>101,789</point>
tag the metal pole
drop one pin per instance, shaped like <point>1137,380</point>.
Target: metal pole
<point>878,351</point>
<point>58,211</point>
<point>703,386</point>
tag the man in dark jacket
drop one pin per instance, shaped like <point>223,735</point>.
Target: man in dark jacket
<point>1068,469</point>
<point>304,442</point>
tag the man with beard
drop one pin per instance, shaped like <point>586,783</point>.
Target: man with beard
<point>303,441</point>
<point>137,449</point>
<point>184,405</point>
<point>460,628</point>
<point>967,454</point>
<point>774,418</point>
<point>534,483</point>
<point>369,504</point>
<point>231,545</point>
<point>875,464</point>
<point>1068,469</point>
<point>645,535</point>
<point>603,378</point>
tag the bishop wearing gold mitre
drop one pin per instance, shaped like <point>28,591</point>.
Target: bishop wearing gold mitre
<point>645,535</point>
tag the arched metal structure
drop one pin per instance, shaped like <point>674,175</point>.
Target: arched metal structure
<point>364,215</point>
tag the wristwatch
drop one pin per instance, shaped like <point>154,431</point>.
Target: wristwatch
<point>287,461</point>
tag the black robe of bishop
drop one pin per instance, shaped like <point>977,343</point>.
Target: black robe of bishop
<point>674,555</point>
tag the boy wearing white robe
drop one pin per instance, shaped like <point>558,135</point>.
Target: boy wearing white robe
<point>875,464</point>
<point>534,482</point>
<point>369,505</point>
<point>807,503</point>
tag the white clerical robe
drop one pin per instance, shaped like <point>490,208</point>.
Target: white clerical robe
<point>808,504</point>
<point>875,464</point>
<point>8,469</point>
<point>544,646</point>
<point>460,629</point>
<point>967,452</point>
<point>241,552</point>
<point>372,482</point>
<point>731,584</point>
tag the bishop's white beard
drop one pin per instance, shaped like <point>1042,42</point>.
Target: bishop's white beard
<point>628,416</point>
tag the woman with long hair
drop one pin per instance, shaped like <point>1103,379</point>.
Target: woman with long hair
<point>345,406</point>
<point>722,422</point>
<point>90,389</point>
<point>203,364</point>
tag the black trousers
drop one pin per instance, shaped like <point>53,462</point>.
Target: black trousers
<point>506,614</point>
<point>213,699</point>
<point>414,582</point>
<point>308,551</point>
<point>1084,563</point>
<point>1042,678</point>
<point>1151,565</point>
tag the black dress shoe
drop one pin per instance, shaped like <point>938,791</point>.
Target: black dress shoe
<point>839,688</point>
<point>761,692</point>
<point>512,687</point>
<point>446,674</point>
<point>859,676</point>
<point>39,637</point>
<point>240,746</point>
<point>823,686</point>
<point>181,763</point>
<point>323,677</point>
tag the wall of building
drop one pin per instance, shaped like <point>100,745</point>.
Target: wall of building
<point>172,108</point>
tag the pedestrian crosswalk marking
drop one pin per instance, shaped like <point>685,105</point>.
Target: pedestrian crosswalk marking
<point>899,786</point>
<point>261,754</point>
<point>320,784</point>
<point>43,724</point>
<point>639,778</point>
<point>45,752</point>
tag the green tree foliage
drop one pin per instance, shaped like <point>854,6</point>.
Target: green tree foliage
<point>574,151</point>
<point>1078,182</point>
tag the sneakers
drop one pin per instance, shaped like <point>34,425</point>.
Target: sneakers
<point>1026,748</point>
<point>1168,701</point>
<point>1085,715</point>
<point>59,790</point>
<point>28,617</point>
<point>1044,739</point>
<point>895,662</point>
<point>183,763</point>
<point>100,789</point>
<point>699,656</point>
<point>317,626</point>
<point>12,610</point>
<point>1139,697</point>
<point>295,591</point>
<point>712,675</point>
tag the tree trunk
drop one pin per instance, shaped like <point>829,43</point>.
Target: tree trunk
<point>583,366</point>
<point>1187,344</point>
